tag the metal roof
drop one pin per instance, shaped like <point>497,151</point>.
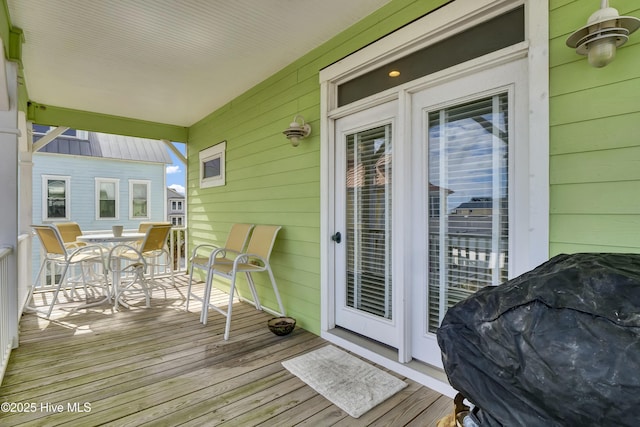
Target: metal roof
<point>173,194</point>
<point>109,146</point>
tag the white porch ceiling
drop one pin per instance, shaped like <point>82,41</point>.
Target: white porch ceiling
<point>167,61</point>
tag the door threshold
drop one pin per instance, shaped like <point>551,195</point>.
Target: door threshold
<point>383,355</point>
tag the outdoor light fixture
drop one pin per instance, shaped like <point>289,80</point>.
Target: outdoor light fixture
<point>297,130</point>
<point>605,31</point>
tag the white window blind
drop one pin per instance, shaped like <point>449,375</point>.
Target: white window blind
<point>468,152</point>
<point>368,215</point>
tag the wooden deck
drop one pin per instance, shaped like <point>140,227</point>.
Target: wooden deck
<point>160,366</point>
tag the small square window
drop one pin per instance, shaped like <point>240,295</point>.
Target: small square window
<point>212,173</point>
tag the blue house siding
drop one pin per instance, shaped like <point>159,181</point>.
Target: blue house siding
<point>82,172</point>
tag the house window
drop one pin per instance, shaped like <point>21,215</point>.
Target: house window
<point>212,172</point>
<point>107,198</point>
<point>56,200</point>
<point>176,205</point>
<point>176,220</point>
<point>139,199</point>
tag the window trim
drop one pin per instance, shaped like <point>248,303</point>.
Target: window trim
<point>99,181</point>
<point>214,152</point>
<point>177,220</point>
<point>147,183</point>
<point>177,205</point>
<point>45,197</point>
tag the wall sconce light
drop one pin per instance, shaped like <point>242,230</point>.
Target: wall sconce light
<point>605,31</point>
<point>297,130</point>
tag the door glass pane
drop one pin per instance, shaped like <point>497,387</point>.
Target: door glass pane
<point>468,201</point>
<point>368,214</point>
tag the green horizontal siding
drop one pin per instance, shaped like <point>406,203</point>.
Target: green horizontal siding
<point>267,180</point>
<point>595,230</point>
<point>594,144</point>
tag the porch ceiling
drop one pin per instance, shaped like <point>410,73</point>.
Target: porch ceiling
<point>167,61</point>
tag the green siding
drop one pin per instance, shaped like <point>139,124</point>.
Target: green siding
<point>594,144</point>
<point>267,180</point>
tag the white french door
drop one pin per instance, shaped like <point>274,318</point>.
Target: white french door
<point>465,139</point>
<point>450,208</point>
<point>364,287</point>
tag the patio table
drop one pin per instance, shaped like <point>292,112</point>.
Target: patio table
<point>108,239</point>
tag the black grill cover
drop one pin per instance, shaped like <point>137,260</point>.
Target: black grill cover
<point>556,346</point>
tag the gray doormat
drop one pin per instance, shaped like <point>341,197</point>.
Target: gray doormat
<point>346,381</point>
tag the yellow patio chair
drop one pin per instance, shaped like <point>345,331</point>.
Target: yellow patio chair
<point>255,259</point>
<point>69,231</point>
<point>151,254</point>
<point>204,255</point>
<point>144,226</point>
<point>57,254</point>
<point>129,268</point>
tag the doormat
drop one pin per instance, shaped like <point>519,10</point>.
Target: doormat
<point>346,381</point>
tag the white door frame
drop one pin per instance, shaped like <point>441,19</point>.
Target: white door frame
<point>440,24</point>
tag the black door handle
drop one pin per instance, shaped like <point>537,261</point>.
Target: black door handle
<point>337,237</point>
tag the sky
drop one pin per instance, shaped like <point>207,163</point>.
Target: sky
<point>176,171</point>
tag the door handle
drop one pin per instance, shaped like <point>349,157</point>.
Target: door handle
<point>337,237</point>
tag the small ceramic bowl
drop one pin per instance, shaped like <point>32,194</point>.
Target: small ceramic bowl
<point>281,325</point>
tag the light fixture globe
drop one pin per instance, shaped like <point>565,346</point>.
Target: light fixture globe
<point>605,31</point>
<point>297,130</point>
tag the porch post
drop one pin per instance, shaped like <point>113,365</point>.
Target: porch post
<point>9,206</point>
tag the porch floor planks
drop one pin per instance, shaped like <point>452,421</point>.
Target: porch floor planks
<point>160,366</point>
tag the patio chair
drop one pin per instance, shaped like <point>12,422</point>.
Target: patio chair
<point>205,255</point>
<point>69,231</point>
<point>255,259</point>
<point>129,268</point>
<point>141,261</point>
<point>58,255</point>
<point>144,226</point>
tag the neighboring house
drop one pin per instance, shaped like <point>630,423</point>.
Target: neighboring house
<point>489,103</point>
<point>176,207</point>
<point>98,180</point>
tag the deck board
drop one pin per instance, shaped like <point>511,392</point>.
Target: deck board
<point>159,366</point>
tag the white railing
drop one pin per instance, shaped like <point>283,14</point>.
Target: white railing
<point>178,248</point>
<point>7,336</point>
<point>25,271</point>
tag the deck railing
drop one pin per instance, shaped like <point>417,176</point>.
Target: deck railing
<point>178,248</point>
<point>7,338</point>
<point>25,243</point>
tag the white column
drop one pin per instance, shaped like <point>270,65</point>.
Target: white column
<point>10,201</point>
